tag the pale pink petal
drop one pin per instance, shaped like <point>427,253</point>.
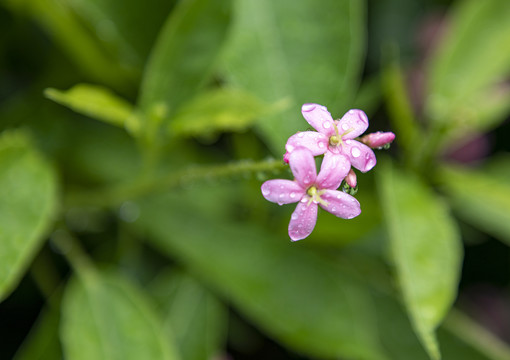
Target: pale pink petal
<point>319,117</point>
<point>314,141</point>
<point>282,191</point>
<point>303,220</point>
<point>334,169</point>
<point>378,139</point>
<point>353,123</point>
<point>360,155</point>
<point>302,164</point>
<point>340,204</point>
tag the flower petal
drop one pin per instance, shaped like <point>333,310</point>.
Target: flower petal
<point>334,169</point>
<point>319,117</point>
<point>302,164</point>
<point>314,141</point>
<point>355,121</point>
<point>282,191</point>
<point>360,155</point>
<point>340,204</point>
<point>303,220</point>
<point>378,139</point>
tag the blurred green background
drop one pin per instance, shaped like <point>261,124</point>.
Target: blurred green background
<point>134,137</point>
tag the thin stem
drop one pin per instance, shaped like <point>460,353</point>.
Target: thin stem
<point>71,249</point>
<point>116,195</point>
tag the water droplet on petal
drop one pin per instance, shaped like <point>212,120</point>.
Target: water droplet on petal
<point>266,191</point>
<point>294,216</point>
<point>348,142</point>
<point>282,196</point>
<point>292,195</point>
<point>326,125</point>
<point>300,135</point>
<point>355,152</point>
<point>345,127</point>
<point>351,111</point>
<point>321,145</point>
<point>290,148</point>
<point>363,116</point>
<point>339,196</point>
<point>308,107</point>
<point>333,209</point>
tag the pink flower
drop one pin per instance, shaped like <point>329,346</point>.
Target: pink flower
<point>378,139</point>
<point>334,136</point>
<point>310,190</point>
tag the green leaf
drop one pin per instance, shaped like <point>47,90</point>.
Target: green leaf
<point>97,102</point>
<point>58,20</point>
<point>425,248</point>
<point>196,317</point>
<point>289,291</point>
<point>216,111</point>
<point>470,67</point>
<point>28,202</point>
<point>113,21</point>
<point>185,53</point>
<point>105,317</point>
<point>42,342</point>
<point>298,51</point>
<point>480,198</point>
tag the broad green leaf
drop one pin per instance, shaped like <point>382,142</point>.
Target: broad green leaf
<point>425,248</point>
<point>127,28</point>
<point>480,198</point>
<point>28,201</point>
<point>105,317</point>
<point>289,291</point>
<point>42,342</point>
<point>218,110</point>
<point>468,69</point>
<point>183,57</point>
<point>97,102</point>
<point>193,314</point>
<point>299,51</point>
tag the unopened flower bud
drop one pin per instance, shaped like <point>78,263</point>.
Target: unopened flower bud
<point>378,139</point>
<point>286,157</point>
<point>350,179</point>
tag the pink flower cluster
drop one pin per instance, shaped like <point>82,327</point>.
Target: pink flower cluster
<point>335,139</point>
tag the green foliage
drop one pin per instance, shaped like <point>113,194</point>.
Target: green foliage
<point>105,317</point>
<point>193,314</point>
<point>182,59</point>
<point>28,193</point>
<point>298,52</point>
<point>209,91</point>
<point>97,102</point>
<point>480,198</point>
<point>218,111</point>
<point>465,75</point>
<point>425,248</point>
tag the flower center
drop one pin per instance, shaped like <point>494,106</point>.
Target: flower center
<point>315,195</point>
<point>336,140</point>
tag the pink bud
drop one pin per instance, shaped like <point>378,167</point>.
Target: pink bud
<point>350,179</point>
<point>286,157</point>
<point>378,139</point>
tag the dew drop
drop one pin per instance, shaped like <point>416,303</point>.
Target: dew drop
<point>363,116</point>
<point>351,111</point>
<point>300,135</point>
<point>308,107</point>
<point>339,196</point>
<point>292,195</point>
<point>326,125</point>
<point>355,152</point>
<point>266,191</point>
<point>294,216</point>
<point>282,196</point>
<point>321,145</point>
<point>289,148</point>
<point>345,127</point>
<point>333,209</point>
